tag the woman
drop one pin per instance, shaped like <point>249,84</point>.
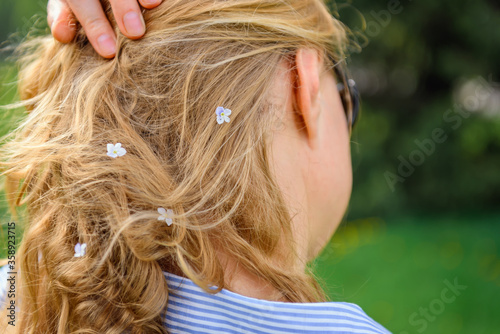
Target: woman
<point>183,185</point>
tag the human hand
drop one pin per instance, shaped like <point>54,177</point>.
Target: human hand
<point>62,16</point>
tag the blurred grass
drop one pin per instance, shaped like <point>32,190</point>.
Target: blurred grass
<point>396,269</point>
<point>8,121</point>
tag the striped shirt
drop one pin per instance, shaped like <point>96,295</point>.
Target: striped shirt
<point>4,284</point>
<point>192,310</point>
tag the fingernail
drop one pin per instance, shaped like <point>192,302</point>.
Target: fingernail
<point>107,45</point>
<point>72,23</point>
<point>152,2</point>
<point>134,23</point>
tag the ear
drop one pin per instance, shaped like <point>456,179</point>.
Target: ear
<point>307,83</point>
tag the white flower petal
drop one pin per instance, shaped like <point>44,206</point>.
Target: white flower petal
<point>220,120</point>
<point>80,249</point>
<point>226,119</point>
<point>169,221</point>
<point>227,111</point>
<point>121,151</point>
<point>162,211</point>
<point>115,150</point>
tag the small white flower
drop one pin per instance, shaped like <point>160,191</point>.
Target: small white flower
<point>116,150</point>
<point>165,215</point>
<point>222,115</point>
<point>80,249</point>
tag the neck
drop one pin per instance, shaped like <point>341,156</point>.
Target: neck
<point>237,279</point>
<point>241,281</point>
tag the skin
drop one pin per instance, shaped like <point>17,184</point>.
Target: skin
<point>311,162</point>
<point>62,16</point>
<point>310,152</point>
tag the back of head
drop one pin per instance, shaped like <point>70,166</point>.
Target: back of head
<point>157,98</point>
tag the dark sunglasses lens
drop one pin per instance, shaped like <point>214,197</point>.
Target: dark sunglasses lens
<point>351,93</point>
<point>354,92</point>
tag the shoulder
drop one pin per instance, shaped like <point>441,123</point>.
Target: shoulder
<point>192,310</point>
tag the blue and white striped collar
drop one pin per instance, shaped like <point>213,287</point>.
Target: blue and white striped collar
<point>192,310</point>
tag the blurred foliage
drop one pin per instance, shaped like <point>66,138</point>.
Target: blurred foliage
<point>416,56</point>
<point>19,16</point>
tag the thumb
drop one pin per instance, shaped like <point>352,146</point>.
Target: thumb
<point>61,20</point>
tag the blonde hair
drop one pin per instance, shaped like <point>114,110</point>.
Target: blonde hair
<point>158,98</point>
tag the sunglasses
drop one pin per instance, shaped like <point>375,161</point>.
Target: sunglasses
<point>349,95</point>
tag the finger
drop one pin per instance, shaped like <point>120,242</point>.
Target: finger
<point>96,25</point>
<point>129,18</point>
<point>149,4</point>
<point>61,21</point>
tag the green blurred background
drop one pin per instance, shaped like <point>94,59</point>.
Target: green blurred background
<point>419,248</point>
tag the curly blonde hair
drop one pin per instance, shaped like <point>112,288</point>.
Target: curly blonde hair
<point>158,98</point>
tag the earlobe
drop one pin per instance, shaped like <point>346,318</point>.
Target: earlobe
<point>307,90</point>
